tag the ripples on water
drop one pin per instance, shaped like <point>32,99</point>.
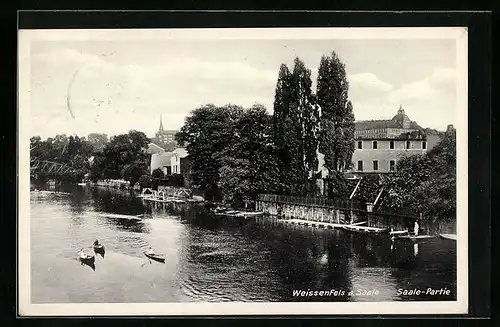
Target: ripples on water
<point>209,259</point>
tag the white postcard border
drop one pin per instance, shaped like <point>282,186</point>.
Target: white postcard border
<point>26,308</point>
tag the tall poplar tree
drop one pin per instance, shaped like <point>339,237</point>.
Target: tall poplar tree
<point>337,118</point>
<point>308,117</point>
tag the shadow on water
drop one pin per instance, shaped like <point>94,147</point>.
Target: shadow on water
<point>115,201</point>
<point>87,263</point>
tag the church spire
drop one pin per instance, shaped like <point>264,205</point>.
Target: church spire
<point>161,125</point>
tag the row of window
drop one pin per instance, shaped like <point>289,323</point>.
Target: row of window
<point>392,165</point>
<point>391,145</point>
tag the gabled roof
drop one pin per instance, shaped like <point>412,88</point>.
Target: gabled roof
<point>154,148</point>
<point>376,124</point>
<point>181,152</point>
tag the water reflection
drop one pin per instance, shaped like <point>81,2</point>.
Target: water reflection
<point>211,258</point>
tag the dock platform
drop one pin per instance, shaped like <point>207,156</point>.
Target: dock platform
<point>318,224</point>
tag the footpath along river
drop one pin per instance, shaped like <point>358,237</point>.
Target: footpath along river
<point>218,259</point>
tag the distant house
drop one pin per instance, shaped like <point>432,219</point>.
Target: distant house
<point>165,137</point>
<point>180,161</point>
<point>159,158</point>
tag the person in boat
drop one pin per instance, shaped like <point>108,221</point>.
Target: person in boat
<point>151,251</point>
<point>82,253</point>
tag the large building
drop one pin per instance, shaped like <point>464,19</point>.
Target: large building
<point>164,136</point>
<point>379,144</point>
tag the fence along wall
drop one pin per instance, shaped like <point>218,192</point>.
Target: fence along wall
<point>309,208</point>
<point>323,209</point>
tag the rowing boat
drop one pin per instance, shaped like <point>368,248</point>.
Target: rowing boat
<point>87,258</point>
<point>451,237</point>
<point>156,257</point>
<point>249,214</point>
<point>414,237</point>
<point>119,216</point>
<point>363,229</point>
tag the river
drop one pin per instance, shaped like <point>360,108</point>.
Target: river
<point>213,259</point>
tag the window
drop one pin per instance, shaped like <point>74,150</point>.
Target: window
<point>375,145</point>
<point>375,164</point>
<point>424,145</point>
<point>391,144</point>
<point>408,144</point>
<point>360,144</point>
<point>360,165</point>
<point>392,165</point>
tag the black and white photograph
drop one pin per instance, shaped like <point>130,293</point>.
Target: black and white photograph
<point>243,171</point>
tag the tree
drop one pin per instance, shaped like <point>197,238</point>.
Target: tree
<point>124,157</point>
<point>205,134</point>
<point>97,141</point>
<point>425,183</point>
<point>295,120</point>
<point>337,117</point>
<point>248,165</point>
<point>158,173</point>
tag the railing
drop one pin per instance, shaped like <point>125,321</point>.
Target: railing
<point>312,201</point>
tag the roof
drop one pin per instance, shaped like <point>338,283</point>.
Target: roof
<point>154,148</point>
<point>181,152</point>
<point>376,124</point>
<point>395,122</point>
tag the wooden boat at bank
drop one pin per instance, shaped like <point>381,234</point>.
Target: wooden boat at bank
<point>249,213</point>
<point>413,237</point>
<point>120,216</point>
<point>39,193</point>
<point>154,256</point>
<point>364,229</point>
<point>452,237</point>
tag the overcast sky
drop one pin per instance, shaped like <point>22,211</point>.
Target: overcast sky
<point>122,85</point>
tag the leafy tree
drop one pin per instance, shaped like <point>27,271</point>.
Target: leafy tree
<point>158,173</point>
<point>337,118</point>
<point>295,121</point>
<point>205,134</point>
<point>426,182</point>
<point>249,165</point>
<point>97,141</point>
<point>124,157</point>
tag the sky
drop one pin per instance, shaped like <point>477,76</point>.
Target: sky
<point>116,85</point>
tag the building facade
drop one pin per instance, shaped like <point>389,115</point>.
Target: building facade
<point>159,158</point>
<point>164,136</point>
<point>179,161</point>
<point>380,144</point>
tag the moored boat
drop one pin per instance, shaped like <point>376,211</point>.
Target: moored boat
<point>413,237</point>
<point>364,229</point>
<point>452,237</point>
<point>120,216</point>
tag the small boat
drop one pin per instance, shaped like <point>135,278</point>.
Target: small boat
<point>398,232</point>
<point>119,216</point>
<point>86,258</point>
<point>250,213</point>
<point>364,230</point>
<point>452,237</point>
<point>154,256</point>
<point>413,237</point>
<point>232,212</point>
